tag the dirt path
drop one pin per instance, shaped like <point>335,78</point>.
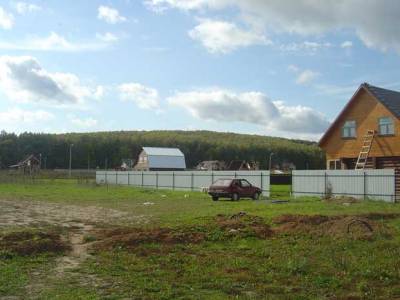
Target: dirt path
<point>36,213</point>
<point>79,223</point>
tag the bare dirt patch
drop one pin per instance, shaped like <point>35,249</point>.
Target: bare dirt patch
<point>32,242</point>
<point>242,223</point>
<point>222,227</point>
<point>131,237</point>
<point>38,213</point>
<point>364,226</point>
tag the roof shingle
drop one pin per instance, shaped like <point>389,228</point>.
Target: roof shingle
<point>389,98</point>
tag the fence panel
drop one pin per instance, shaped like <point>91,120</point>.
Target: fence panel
<point>374,184</point>
<point>183,180</point>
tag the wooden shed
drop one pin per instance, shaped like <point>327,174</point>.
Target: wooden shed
<point>29,165</point>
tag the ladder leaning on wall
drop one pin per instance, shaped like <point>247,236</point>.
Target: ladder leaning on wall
<point>365,149</point>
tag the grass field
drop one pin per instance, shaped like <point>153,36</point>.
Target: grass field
<point>61,240</point>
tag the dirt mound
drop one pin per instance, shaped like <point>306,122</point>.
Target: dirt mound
<point>356,226</point>
<point>31,243</point>
<point>128,237</point>
<point>223,227</point>
<point>244,225</point>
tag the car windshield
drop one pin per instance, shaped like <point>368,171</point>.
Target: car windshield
<point>223,182</point>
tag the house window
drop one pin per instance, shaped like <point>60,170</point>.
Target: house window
<point>349,129</point>
<point>386,126</point>
<point>335,164</point>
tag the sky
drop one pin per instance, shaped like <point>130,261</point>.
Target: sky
<point>270,67</point>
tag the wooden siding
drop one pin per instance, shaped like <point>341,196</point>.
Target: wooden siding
<point>366,111</point>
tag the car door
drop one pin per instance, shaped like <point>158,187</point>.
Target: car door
<point>246,188</point>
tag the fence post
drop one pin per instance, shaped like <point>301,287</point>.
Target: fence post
<point>365,185</point>
<point>395,186</point>
<point>326,192</point>
<point>212,177</point>
<point>156,180</point>
<point>173,180</point>
<point>142,179</point>
<point>291,185</point>
<point>262,183</point>
<point>106,177</point>
<point>116,178</point>
<point>129,178</point>
<point>192,181</point>
<point>235,174</point>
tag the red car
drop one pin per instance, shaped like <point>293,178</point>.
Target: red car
<point>233,189</point>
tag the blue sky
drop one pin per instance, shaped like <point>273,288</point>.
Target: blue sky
<point>279,68</point>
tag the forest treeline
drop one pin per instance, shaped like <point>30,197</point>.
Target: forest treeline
<point>95,150</point>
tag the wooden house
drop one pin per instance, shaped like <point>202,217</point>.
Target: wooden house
<point>366,134</point>
<point>211,165</point>
<point>30,165</point>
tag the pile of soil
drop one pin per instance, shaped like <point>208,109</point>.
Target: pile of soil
<point>244,225</point>
<point>131,237</point>
<point>31,242</point>
<point>364,226</point>
<point>223,227</point>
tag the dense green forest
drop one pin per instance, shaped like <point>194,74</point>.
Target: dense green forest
<point>94,149</point>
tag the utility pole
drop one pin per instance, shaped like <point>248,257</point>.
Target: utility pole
<point>70,159</point>
<point>270,160</point>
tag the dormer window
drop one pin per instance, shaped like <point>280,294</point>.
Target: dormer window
<point>386,126</point>
<point>349,129</point>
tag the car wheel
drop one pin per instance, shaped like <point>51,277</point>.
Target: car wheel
<point>215,198</point>
<point>235,197</point>
<point>256,196</point>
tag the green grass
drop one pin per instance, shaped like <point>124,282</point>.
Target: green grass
<point>176,207</point>
<point>299,266</point>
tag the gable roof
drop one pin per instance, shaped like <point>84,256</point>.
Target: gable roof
<point>154,151</point>
<point>388,98</point>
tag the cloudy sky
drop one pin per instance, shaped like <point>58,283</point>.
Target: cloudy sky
<point>271,67</point>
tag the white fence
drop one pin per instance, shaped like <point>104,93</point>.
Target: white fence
<point>374,184</point>
<point>181,180</point>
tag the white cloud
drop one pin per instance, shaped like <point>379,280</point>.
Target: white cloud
<point>293,68</point>
<point>347,44</point>
<point>144,97</point>
<point>15,116</point>
<point>223,37</point>
<point>110,15</point>
<point>107,37</point>
<point>23,8</point>
<point>6,19</point>
<point>53,42</point>
<point>23,79</point>
<point>84,123</point>
<point>303,77</point>
<point>161,5</point>
<point>306,46</point>
<point>252,107</point>
<point>306,76</point>
<point>375,22</point>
